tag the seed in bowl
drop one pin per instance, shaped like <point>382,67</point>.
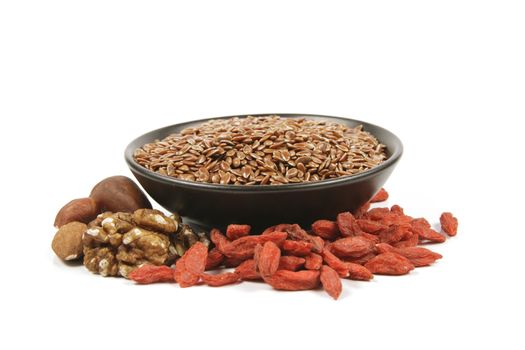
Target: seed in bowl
<point>266,150</point>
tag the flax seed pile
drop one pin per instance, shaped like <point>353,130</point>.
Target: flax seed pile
<point>267,150</point>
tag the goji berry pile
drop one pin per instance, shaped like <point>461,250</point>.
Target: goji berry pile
<point>356,246</point>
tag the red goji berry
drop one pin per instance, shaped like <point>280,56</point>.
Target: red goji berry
<point>418,256</point>
<point>335,263</point>
<point>291,263</point>
<point>411,239</point>
<point>235,231</point>
<point>347,224</point>
<point>296,233</point>
<point>394,233</point>
<point>220,240</point>
<point>389,264</point>
<point>147,274</point>
<point>362,259</point>
<point>371,237</point>
<point>247,271</point>
<point>325,229</point>
<point>370,226</point>
<point>243,247</point>
<point>221,279</point>
<point>358,272</point>
<point>396,209</point>
<point>293,280</point>
<point>297,248</point>
<point>215,259</point>
<point>380,196</point>
<point>353,247</point>
<point>191,265</point>
<point>331,281</point>
<point>422,228</point>
<point>313,261</point>
<point>449,224</point>
<point>377,214</point>
<point>268,259</point>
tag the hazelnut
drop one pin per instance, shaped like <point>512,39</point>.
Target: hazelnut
<point>67,243</point>
<point>82,209</point>
<point>119,194</point>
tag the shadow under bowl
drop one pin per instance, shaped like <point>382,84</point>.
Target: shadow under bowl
<point>213,205</point>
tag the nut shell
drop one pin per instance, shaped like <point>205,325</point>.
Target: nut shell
<point>119,194</point>
<point>67,243</point>
<point>81,209</point>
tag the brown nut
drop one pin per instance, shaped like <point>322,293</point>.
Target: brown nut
<point>119,194</point>
<point>82,209</point>
<point>67,243</point>
<point>155,220</point>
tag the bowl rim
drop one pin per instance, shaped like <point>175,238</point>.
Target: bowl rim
<point>134,166</point>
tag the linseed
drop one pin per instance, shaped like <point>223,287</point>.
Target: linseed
<point>265,150</point>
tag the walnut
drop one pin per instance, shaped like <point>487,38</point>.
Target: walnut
<point>127,217</point>
<point>141,246</point>
<point>155,220</point>
<point>101,260</point>
<point>185,238</point>
<point>117,243</point>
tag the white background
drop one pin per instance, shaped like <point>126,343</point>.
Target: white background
<point>80,79</point>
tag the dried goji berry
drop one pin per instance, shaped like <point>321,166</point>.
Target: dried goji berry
<point>449,224</point>
<point>325,229</point>
<point>318,244</point>
<point>410,239</point>
<point>422,228</point>
<point>389,264</point>
<point>346,224</point>
<point>291,263</point>
<point>384,248</point>
<point>352,247</point>
<point>377,214</point>
<point>296,233</point>
<point>370,226</point>
<point>235,231</point>
<point>335,263</point>
<point>380,196</point>
<point>221,279</point>
<point>191,265</point>
<point>418,256</point>
<point>396,209</point>
<point>243,247</point>
<point>297,248</point>
<point>394,233</point>
<point>362,259</point>
<point>371,237</point>
<point>256,255</point>
<point>215,259</point>
<point>268,259</point>
<point>247,270</point>
<point>331,281</point>
<point>293,280</point>
<point>358,272</point>
<point>220,240</point>
<point>313,261</point>
<point>147,274</point>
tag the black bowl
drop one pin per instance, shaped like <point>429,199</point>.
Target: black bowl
<point>214,205</point>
